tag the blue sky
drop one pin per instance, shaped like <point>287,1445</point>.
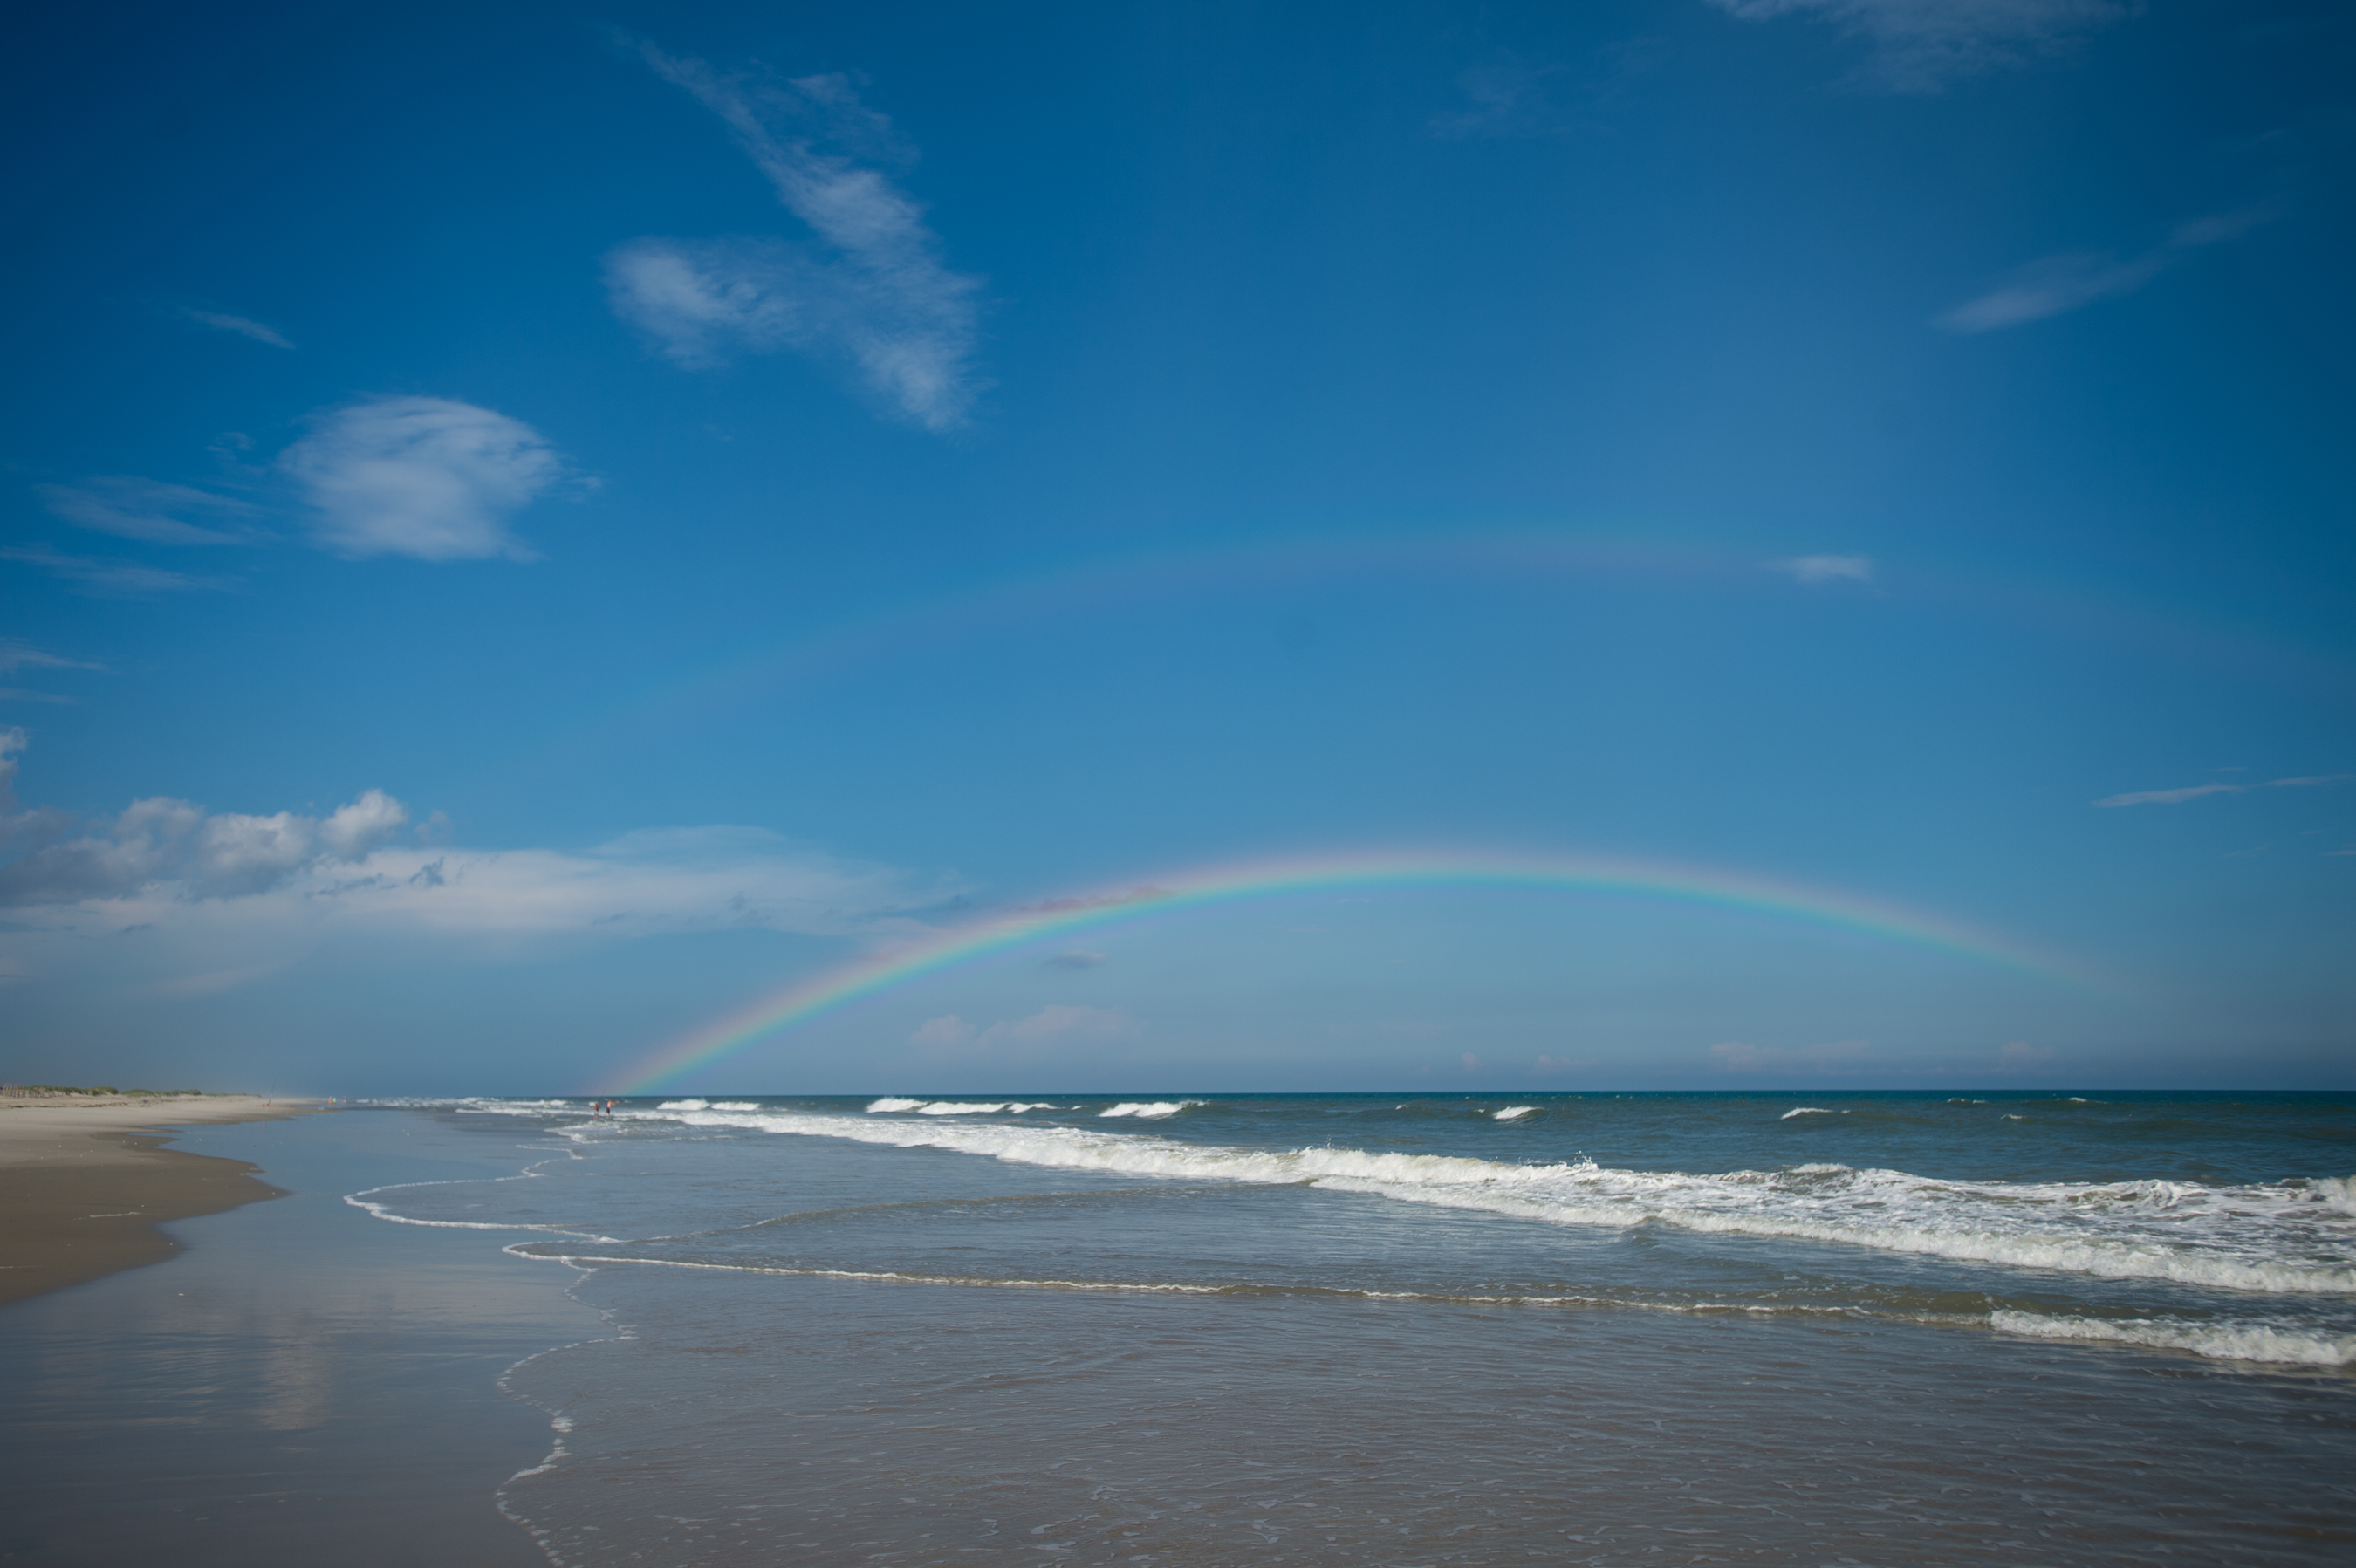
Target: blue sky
<point>526,531</point>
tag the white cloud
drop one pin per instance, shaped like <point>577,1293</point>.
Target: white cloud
<point>2196,791</point>
<point>424,476</point>
<point>111,579</point>
<point>2015,1055</point>
<point>2057,285</point>
<point>875,290</point>
<point>1077,1025</point>
<point>203,855</point>
<point>1828,568</point>
<point>219,322</point>
<point>229,894</point>
<point>1078,958</point>
<point>948,1030</point>
<point>148,510</point>
<point>352,830</point>
<point>1920,46</point>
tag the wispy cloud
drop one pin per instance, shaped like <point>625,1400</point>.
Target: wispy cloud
<point>2016,1056</point>
<point>110,578</point>
<point>429,477</point>
<point>1068,1024</point>
<point>150,510</point>
<point>17,654</point>
<point>1501,101</point>
<point>220,322</point>
<point>1826,568</point>
<point>2055,285</point>
<point>2170,797</point>
<point>424,476</point>
<point>2196,791</point>
<point>1734,1055</point>
<point>1054,1024</point>
<point>1507,99</point>
<point>1078,958</point>
<point>874,289</point>
<point>1921,45</point>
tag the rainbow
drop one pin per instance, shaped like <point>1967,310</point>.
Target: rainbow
<point>967,608</point>
<point>819,995</point>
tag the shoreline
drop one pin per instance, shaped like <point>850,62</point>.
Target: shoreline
<point>84,1187</point>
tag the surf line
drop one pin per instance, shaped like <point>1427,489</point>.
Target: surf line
<point>817,995</point>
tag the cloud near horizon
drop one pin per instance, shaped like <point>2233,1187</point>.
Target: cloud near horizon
<point>1734,1055</point>
<point>1923,46</point>
<point>243,888</point>
<point>1053,1024</point>
<point>874,291</point>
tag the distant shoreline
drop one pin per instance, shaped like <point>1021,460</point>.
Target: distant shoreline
<point>85,1182</point>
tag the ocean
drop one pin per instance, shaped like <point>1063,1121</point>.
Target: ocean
<point>1404,1329</point>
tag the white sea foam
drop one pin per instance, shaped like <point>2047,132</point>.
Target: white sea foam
<point>2277,1343</point>
<point>2338,1192</point>
<point>893,1105</point>
<point>366,1200</point>
<point>2291,1238</point>
<point>1148,1109</point>
<point>1514,1113</point>
<point>1808,1111</point>
<point>688,1105</point>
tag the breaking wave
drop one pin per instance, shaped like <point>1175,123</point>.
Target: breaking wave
<point>2294,1237</point>
<point>2279,1344</point>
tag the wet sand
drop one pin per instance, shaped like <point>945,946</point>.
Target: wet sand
<point>300,1383</point>
<point>83,1185</point>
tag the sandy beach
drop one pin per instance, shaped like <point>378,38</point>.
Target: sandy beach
<point>87,1181</point>
<point>299,1381</point>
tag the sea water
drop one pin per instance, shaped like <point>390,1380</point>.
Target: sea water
<point>1208,1328</point>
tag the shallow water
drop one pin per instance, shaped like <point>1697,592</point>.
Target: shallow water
<point>300,1386</point>
<point>1439,1329</point>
